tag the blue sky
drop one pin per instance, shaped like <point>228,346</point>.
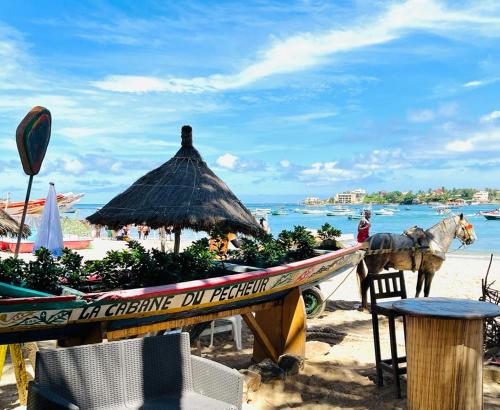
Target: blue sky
<point>286,99</point>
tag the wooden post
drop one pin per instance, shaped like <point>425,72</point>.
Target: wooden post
<point>283,327</point>
<point>177,240</point>
<point>16,355</point>
<point>445,359</point>
<point>162,238</point>
<point>3,354</point>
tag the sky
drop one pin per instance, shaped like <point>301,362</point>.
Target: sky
<point>286,99</point>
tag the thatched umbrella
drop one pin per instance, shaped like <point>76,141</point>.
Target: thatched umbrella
<point>181,193</point>
<point>9,227</point>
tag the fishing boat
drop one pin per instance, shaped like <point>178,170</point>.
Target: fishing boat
<point>279,212</point>
<point>35,206</point>
<point>9,245</point>
<point>28,315</point>
<point>355,216</point>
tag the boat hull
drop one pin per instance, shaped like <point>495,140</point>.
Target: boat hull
<point>27,247</point>
<point>128,308</point>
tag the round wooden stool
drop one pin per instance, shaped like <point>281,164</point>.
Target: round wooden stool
<point>444,351</point>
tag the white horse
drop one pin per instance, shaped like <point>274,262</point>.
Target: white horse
<point>401,254</point>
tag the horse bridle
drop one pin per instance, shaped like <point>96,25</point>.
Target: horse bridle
<point>465,227</point>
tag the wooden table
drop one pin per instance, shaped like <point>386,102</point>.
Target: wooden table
<point>444,350</point>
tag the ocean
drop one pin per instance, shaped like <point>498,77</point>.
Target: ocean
<point>487,231</point>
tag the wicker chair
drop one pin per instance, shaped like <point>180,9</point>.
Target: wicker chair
<point>150,373</point>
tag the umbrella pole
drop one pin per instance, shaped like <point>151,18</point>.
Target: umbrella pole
<point>23,217</point>
<point>177,240</point>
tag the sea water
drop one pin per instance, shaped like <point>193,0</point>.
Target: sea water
<point>487,231</point>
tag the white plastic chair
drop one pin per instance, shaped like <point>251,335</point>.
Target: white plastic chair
<point>235,327</point>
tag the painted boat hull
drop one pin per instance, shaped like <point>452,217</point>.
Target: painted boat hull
<point>27,247</point>
<point>492,217</point>
<point>32,318</point>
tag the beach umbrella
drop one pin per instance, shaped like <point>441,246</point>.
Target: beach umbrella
<point>9,226</point>
<point>181,193</point>
<point>49,234</point>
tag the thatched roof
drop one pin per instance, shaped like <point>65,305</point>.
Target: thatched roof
<point>9,227</point>
<point>182,193</point>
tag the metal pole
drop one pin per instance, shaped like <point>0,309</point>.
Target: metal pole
<point>23,217</point>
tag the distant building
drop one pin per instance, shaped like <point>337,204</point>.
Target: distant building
<point>312,200</point>
<point>481,196</point>
<point>354,197</point>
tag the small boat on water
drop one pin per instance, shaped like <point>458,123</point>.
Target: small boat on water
<point>313,212</point>
<point>442,210</point>
<point>492,215</point>
<point>355,216</point>
<point>279,212</point>
<point>339,212</point>
<point>384,212</point>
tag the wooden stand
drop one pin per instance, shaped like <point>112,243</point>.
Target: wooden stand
<point>17,358</point>
<point>444,352</point>
<point>445,359</point>
<point>279,330</point>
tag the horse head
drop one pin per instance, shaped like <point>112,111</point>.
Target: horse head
<point>464,230</point>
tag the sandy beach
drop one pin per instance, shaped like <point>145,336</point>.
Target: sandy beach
<point>344,377</point>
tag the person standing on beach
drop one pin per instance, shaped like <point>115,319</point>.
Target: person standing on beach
<point>145,231</point>
<point>364,226</point>
<point>139,231</point>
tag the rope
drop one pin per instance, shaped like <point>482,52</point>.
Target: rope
<point>339,285</point>
<point>383,251</point>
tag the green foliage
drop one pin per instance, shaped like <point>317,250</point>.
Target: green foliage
<point>12,271</point>
<point>137,267</point>
<point>327,232</point>
<point>266,251</point>
<point>328,235</point>
<point>44,273</point>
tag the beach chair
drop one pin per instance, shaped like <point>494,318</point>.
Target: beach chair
<point>385,286</point>
<point>149,373</point>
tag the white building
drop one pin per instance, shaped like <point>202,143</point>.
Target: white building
<point>355,196</point>
<point>481,196</point>
<point>312,200</point>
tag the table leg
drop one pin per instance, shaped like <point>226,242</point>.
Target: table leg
<point>445,363</point>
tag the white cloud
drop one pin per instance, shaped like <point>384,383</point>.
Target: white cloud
<point>285,163</point>
<point>306,50</point>
<point>426,115</point>
<point>421,115</point>
<point>227,161</point>
<point>492,116</point>
<point>310,116</point>
<point>323,173</point>
<point>487,140</point>
<point>474,83</point>
<point>73,165</point>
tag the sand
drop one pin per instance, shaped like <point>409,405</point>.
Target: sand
<point>345,377</point>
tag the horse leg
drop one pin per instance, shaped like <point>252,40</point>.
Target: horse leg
<point>420,282</point>
<point>361,271</point>
<point>428,280</point>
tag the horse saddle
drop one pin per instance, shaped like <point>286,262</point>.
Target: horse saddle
<point>420,242</point>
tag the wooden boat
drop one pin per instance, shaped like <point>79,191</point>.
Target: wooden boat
<point>27,246</point>
<point>27,315</point>
<point>35,206</point>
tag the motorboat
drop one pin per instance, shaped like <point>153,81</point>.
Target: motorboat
<point>279,212</point>
<point>339,212</point>
<point>384,212</point>
<point>492,215</point>
<point>313,212</point>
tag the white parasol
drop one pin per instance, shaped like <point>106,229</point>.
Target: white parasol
<point>49,235</point>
